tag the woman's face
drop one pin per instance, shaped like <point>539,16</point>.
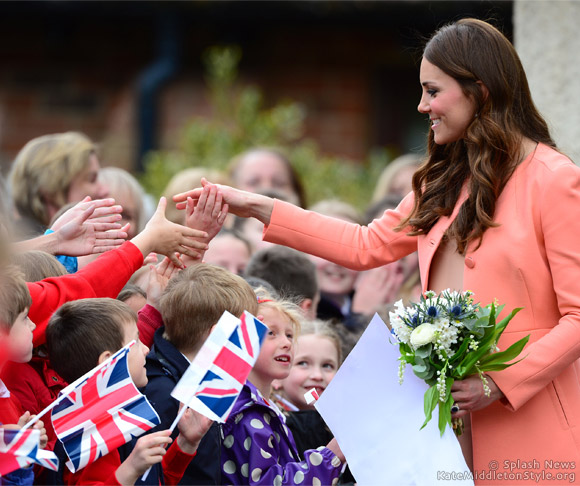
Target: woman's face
<point>86,183</point>
<point>262,171</point>
<point>449,109</point>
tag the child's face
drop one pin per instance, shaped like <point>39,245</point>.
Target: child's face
<point>228,252</point>
<point>315,364</point>
<point>137,353</point>
<point>20,338</point>
<point>275,358</point>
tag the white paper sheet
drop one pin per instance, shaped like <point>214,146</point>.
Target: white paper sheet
<point>376,421</point>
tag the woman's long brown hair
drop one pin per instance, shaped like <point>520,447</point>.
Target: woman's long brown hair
<point>474,53</point>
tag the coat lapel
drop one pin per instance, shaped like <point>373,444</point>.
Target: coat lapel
<point>429,243</point>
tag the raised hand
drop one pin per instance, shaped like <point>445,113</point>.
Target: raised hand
<point>208,214</point>
<point>167,238</point>
<point>377,287</point>
<point>241,203</point>
<point>159,276</point>
<point>86,234</point>
<point>105,210</point>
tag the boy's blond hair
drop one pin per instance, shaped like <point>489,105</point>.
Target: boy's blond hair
<point>196,298</point>
<point>14,295</point>
<point>44,168</point>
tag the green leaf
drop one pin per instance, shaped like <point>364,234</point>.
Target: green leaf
<point>445,407</point>
<point>429,403</point>
<point>504,356</point>
<point>505,321</point>
<point>460,351</point>
<point>424,351</point>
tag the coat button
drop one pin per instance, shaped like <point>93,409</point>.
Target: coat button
<point>469,262</point>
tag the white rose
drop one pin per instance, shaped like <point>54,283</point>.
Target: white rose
<point>423,334</point>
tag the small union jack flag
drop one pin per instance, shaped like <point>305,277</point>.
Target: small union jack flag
<point>216,376</point>
<point>311,396</point>
<point>19,448</point>
<point>104,411</point>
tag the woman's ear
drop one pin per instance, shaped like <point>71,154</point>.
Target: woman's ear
<point>104,356</point>
<point>484,90</point>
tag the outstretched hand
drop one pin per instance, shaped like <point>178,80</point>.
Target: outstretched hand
<point>106,211</point>
<point>162,236</point>
<point>208,214</point>
<point>86,234</point>
<point>240,203</point>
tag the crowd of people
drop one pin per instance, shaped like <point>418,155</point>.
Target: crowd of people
<point>88,265</point>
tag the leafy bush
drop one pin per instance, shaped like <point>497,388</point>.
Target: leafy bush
<point>240,121</point>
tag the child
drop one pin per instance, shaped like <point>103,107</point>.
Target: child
<point>317,357</point>
<point>76,345</point>
<point>290,272</point>
<point>34,382</point>
<point>191,305</point>
<point>316,360</point>
<point>258,448</point>
<point>16,335</point>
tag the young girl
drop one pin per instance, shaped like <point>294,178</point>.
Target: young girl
<point>317,357</point>
<point>258,447</point>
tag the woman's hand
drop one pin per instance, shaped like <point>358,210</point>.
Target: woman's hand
<point>469,395</point>
<point>240,203</point>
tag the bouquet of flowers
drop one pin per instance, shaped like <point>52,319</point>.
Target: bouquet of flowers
<point>448,337</point>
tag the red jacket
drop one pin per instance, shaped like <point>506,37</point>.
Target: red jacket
<point>36,385</point>
<point>105,277</point>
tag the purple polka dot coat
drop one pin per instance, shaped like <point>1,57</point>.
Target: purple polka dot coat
<point>258,448</point>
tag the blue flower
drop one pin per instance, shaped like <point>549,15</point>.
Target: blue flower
<point>456,310</point>
<point>432,311</point>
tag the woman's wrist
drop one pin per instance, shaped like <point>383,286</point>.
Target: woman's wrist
<point>261,207</point>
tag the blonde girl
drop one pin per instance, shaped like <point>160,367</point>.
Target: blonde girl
<point>258,447</point>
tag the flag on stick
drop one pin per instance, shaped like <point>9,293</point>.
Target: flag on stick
<point>103,411</point>
<point>216,376</point>
<point>19,448</point>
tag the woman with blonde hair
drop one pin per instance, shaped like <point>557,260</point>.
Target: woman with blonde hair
<point>51,171</point>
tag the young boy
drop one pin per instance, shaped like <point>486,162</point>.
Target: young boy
<point>16,344</point>
<point>85,333</point>
<point>191,305</point>
<point>290,272</point>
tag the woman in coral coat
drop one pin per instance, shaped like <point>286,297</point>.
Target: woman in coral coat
<point>495,209</point>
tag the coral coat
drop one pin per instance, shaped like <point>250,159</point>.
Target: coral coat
<point>531,260</point>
